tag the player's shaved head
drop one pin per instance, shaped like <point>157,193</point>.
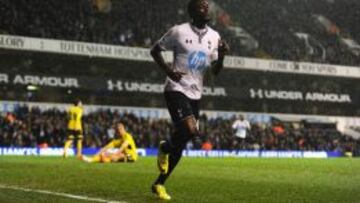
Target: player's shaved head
<point>198,10</point>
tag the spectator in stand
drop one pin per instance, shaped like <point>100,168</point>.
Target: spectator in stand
<point>206,145</point>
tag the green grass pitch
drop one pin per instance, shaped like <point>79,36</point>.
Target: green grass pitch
<point>217,180</point>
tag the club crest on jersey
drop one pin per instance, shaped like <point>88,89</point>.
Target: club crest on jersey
<point>197,61</point>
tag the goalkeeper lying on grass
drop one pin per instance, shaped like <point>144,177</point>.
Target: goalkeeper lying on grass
<point>122,149</point>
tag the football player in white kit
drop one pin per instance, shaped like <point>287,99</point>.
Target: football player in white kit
<point>241,126</point>
<point>197,48</point>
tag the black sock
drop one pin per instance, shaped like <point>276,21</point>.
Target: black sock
<point>174,158</point>
<point>174,147</point>
<point>174,143</point>
<point>167,147</point>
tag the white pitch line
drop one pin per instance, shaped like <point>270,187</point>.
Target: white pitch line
<point>72,196</point>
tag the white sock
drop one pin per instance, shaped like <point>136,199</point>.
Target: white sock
<point>86,159</point>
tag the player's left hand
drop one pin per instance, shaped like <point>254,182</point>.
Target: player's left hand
<point>223,48</point>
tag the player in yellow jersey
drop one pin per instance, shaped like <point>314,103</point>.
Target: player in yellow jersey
<point>123,149</point>
<point>74,128</point>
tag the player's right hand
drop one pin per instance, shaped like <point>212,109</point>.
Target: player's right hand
<point>175,75</point>
<point>224,48</point>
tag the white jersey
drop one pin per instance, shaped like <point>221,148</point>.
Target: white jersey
<point>194,51</point>
<point>240,127</point>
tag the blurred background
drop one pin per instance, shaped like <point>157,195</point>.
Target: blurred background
<point>293,73</point>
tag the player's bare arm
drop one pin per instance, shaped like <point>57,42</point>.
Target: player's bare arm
<point>119,154</point>
<point>122,148</point>
<point>108,146</point>
<point>218,65</point>
<point>159,59</point>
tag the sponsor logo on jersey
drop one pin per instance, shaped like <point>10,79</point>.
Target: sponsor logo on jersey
<point>197,61</point>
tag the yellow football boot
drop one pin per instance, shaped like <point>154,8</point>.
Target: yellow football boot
<point>160,192</point>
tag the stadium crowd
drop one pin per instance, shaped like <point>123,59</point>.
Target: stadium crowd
<point>32,127</point>
<point>324,31</point>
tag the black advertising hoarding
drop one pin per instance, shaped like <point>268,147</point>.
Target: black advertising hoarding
<point>58,78</point>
